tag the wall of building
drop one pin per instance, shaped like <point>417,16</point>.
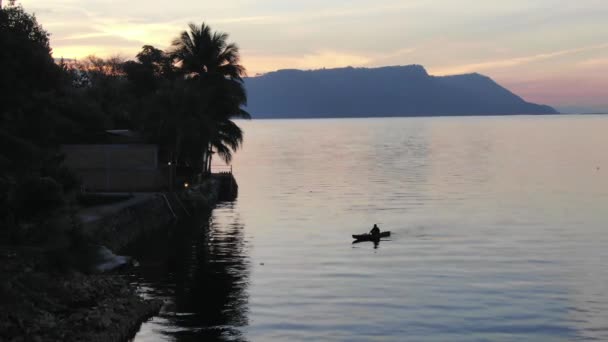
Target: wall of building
<point>117,167</point>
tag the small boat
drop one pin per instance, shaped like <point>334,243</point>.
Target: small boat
<point>371,237</point>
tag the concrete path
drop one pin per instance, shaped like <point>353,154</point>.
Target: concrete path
<point>95,213</point>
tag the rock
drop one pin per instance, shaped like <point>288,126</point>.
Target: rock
<point>108,261</point>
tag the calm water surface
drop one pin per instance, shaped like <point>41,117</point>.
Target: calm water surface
<point>499,232</point>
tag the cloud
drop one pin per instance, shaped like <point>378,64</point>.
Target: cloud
<point>248,20</point>
<point>393,57</point>
<point>594,63</point>
<point>98,39</point>
<point>315,60</point>
<point>562,91</point>
<point>511,62</point>
<point>78,52</point>
<point>261,63</point>
<point>510,41</point>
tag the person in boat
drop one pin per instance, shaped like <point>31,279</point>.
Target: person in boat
<point>375,230</point>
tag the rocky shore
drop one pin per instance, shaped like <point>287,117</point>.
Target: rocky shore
<point>42,302</point>
<point>42,305</point>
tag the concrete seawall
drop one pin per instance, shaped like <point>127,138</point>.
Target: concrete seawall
<point>116,225</point>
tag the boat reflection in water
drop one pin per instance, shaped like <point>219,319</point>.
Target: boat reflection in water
<point>202,273</point>
<point>375,242</point>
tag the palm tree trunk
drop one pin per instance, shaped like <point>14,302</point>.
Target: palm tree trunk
<point>210,155</point>
<point>205,163</point>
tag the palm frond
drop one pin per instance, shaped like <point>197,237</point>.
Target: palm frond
<point>224,152</point>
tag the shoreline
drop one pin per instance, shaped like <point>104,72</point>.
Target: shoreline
<point>41,304</point>
<point>398,116</point>
<point>46,306</point>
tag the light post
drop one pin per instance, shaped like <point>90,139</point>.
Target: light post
<point>170,164</point>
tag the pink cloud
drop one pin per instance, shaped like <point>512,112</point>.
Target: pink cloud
<point>563,91</point>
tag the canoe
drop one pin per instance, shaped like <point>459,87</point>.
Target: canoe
<point>370,237</point>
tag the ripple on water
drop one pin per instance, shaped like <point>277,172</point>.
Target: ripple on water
<point>498,234</point>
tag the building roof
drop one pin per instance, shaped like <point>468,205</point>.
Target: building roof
<point>124,136</point>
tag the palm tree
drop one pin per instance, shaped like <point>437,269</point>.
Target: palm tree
<point>206,57</point>
<point>201,52</point>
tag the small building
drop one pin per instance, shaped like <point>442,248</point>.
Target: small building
<point>120,162</point>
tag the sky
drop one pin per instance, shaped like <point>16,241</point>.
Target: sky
<point>547,51</point>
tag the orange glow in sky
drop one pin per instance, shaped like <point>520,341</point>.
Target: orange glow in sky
<point>556,55</point>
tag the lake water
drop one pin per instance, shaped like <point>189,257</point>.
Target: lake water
<point>499,232</point>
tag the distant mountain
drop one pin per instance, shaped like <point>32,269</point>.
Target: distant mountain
<point>387,91</point>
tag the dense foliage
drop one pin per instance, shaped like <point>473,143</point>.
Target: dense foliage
<point>36,112</point>
<point>182,99</point>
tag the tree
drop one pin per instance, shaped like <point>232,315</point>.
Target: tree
<point>173,120</point>
<point>26,64</point>
<point>157,60</point>
<point>104,83</point>
<point>208,60</point>
<point>39,110</point>
<point>153,66</point>
<point>202,52</point>
<point>29,115</point>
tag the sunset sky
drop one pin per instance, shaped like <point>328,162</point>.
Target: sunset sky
<point>547,51</point>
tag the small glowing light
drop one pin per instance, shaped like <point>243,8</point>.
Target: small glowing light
<point>186,185</point>
<point>169,163</point>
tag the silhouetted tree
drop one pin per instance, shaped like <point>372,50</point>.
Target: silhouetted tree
<point>39,110</point>
<point>184,100</point>
<point>172,119</point>
<point>30,116</point>
<point>208,60</point>
<point>157,60</point>
<point>152,68</point>
<point>26,64</point>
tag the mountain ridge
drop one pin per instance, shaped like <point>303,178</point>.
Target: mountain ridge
<point>384,91</point>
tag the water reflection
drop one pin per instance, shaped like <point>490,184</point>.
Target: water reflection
<point>202,272</point>
<point>376,243</point>
<point>499,225</point>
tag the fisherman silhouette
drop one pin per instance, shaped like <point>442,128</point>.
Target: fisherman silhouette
<point>375,230</point>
